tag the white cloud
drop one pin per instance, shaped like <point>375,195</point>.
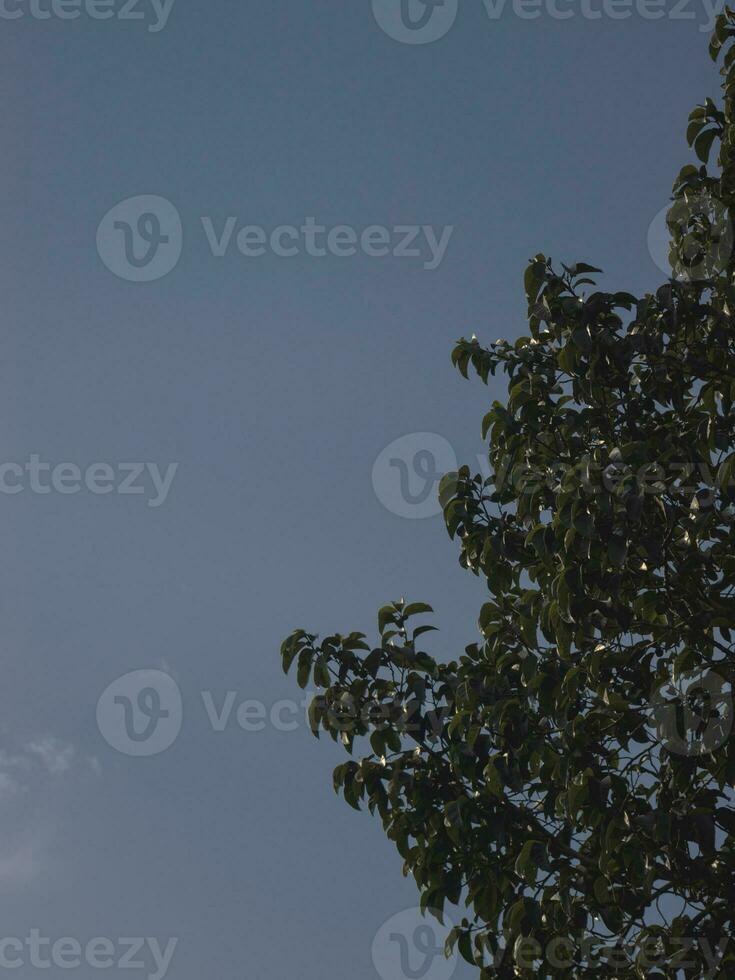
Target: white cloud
<point>13,761</point>
<point>8,786</point>
<point>24,771</point>
<point>19,865</point>
<point>55,755</point>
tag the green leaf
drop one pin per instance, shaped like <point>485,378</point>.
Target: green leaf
<point>493,780</point>
<point>373,661</point>
<point>602,892</point>
<point>617,550</point>
<point>465,948</point>
<point>321,672</point>
<point>526,865</point>
<point>726,472</point>
<point>703,144</point>
<point>386,616</point>
<point>416,608</point>
<point>303,672</point>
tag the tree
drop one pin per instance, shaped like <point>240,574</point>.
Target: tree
<point>571,773</point>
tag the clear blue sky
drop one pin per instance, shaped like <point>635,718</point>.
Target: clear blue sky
<point>274,383</point>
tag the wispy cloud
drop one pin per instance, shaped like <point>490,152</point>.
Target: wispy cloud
<point>55,755</point>
<point>37,757</point>
<point>26,769</point>
<point>20,864</point>
<point>8,786</point>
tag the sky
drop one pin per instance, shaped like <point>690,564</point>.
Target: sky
<point>207,407</point>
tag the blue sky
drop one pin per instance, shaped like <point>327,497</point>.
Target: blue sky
<point>274,383</point>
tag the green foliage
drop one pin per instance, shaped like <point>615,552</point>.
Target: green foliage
<point>551,779</point>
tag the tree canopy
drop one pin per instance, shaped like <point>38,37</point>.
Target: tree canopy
<point>568,779</point>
